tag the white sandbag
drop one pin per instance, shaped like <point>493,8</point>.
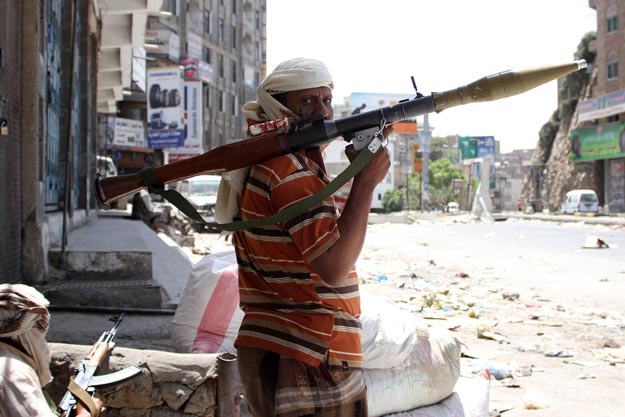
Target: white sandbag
<point>208,316</point>
<point>469,399</point>
<point>388,332</point>
<point>426,377</point>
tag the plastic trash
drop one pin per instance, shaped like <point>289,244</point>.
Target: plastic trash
<point>593,242</point>
<point>498,370</point>
<point>484,332</point>
<point>560,354</point>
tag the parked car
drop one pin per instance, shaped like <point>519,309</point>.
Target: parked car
<point>105,166</point>
<point>452,208</point>
<point>201,191</point>
<point>580,201</point>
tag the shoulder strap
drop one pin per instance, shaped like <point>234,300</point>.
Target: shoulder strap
<point>83,397</point>
<point>175,198</point>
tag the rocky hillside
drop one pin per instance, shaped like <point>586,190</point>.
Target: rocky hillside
<point>552,173</point>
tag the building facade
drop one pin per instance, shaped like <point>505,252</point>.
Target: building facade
<point>599,135</point>
<point>219,46</point>
<point>47,149</point>
<point>73,86</point>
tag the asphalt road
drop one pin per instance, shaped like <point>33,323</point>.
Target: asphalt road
<point>569,298</point>
<point>529,253</point>
<point>539,289</point>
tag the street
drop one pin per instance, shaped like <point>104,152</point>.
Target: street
<point>556,309</point>
<point>553,312</point>
<point>528,255</point>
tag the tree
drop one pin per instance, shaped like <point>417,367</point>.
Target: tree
<point>438,147</point>
<point>442,173</point>
<point>414,191</point>
<point>392,201</point>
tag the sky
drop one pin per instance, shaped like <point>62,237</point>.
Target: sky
<point>376,46</point>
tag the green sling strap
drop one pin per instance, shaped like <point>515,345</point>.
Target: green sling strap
<point>175,198</point>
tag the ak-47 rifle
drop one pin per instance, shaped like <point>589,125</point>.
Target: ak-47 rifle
<point>82,386</point>
<point>359,128</point>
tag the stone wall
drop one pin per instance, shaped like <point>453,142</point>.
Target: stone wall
<point>170,384</point>
<point>556,173</point>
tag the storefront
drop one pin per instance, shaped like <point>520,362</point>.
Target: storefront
<point>604,142</point>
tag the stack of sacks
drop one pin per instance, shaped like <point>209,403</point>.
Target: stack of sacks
<point>407,365</point>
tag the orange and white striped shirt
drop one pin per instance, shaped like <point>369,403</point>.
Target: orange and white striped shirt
<point>288,308</point>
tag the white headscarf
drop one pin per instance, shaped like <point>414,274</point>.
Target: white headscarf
<point>292,75</point>
<point>24,317</point>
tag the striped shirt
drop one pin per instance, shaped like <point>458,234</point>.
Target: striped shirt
<point>288,309</point>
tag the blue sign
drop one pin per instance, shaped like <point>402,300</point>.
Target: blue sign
<point>167,138</point>
<point>485,146</point>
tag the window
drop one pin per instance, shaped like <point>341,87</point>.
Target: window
<point>207,54</point>
<point>233,68</point>
<point>612,70</point>
<point>222,101</point>
<point>207,21</point>
<point>611,21</point>
<point>612,62</point>
<point>220,65</point>
<point>234,7</point>
<point>207,95</point>
<point>235,106</point>
<point>612,24</point>
<point>234,37</point>
<point>221,30</point>
<point>172,6</point>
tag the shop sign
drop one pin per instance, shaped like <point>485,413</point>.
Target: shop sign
<point>165,107</point>
<point>125,132</point>
<point>603,141</point>
<point>192,145</point>
<point>600,107</point>
<point>163,43</point>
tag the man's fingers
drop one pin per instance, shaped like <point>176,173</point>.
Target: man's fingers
<point>350,152</point>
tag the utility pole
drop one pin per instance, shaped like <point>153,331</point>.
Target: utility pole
<point>425,140</point>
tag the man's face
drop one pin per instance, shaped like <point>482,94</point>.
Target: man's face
<point>310,102</point>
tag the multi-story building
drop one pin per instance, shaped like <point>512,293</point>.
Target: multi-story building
<point>510,170</point>
<point>217,44</point>
<point>599,136</point>
<point>68,68</point>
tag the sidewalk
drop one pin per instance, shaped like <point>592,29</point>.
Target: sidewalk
<point>616,220</point>
<point>112,231</point>
<point>404,217</point>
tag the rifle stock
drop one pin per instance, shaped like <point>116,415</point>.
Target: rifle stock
<point>223,158</point>
<point>296,137</point>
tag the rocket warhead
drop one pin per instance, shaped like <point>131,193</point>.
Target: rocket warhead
<point>503,84</point>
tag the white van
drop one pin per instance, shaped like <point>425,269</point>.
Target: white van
<point>452,208</point>
<point>580,201</point>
